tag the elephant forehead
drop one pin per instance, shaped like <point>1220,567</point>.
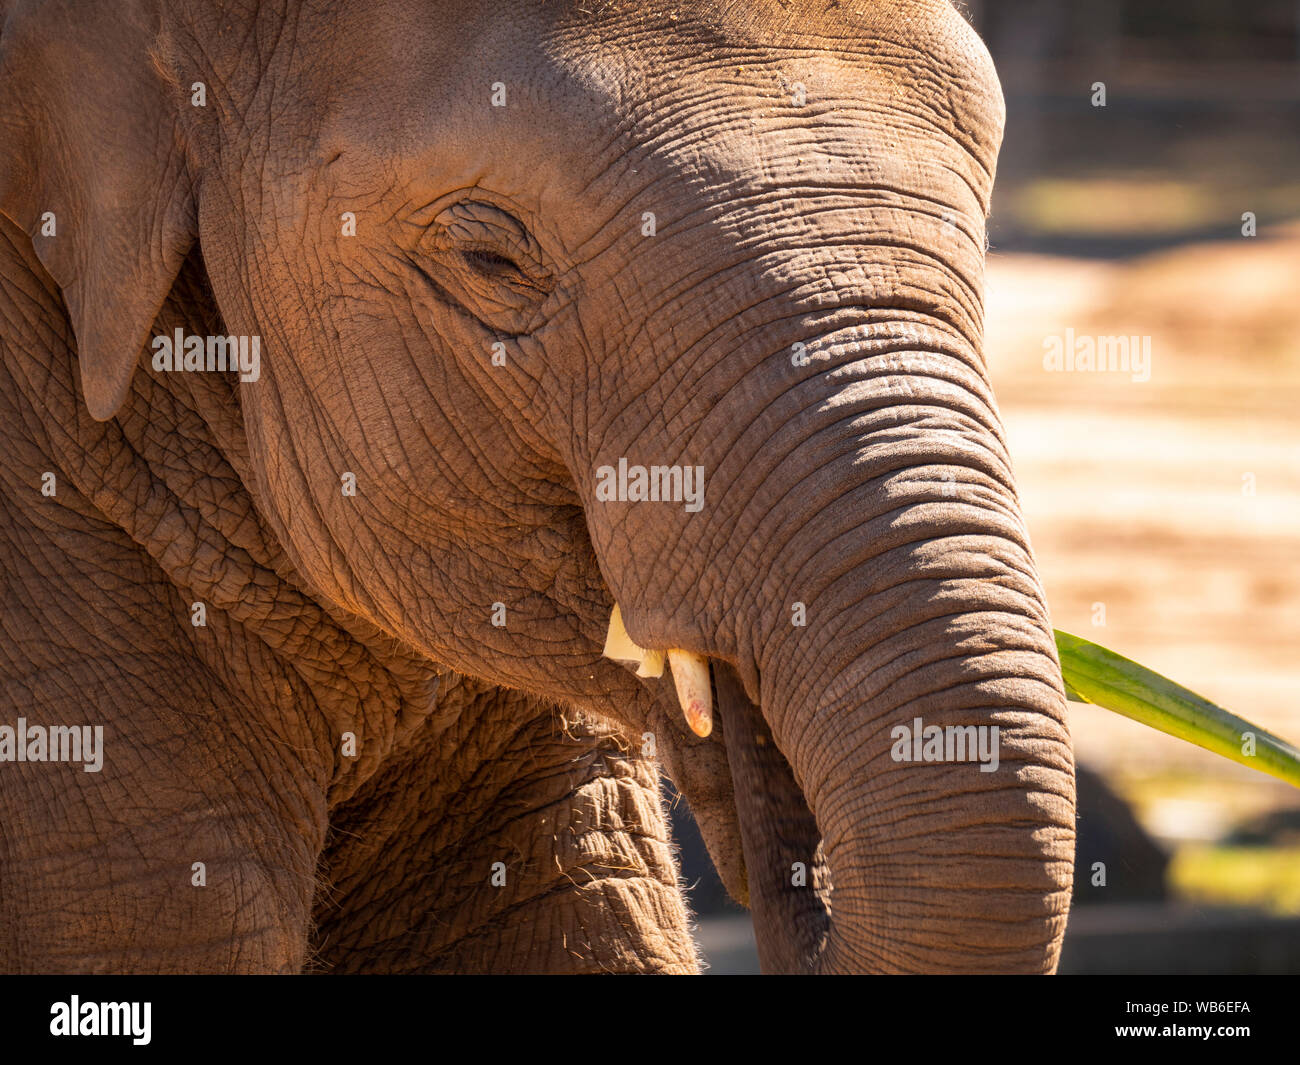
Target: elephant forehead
<point>909,101</point>
<point>908,54</point>
<point>520,91</point>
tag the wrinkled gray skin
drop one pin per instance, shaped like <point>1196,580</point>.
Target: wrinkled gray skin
<point>818,176</point>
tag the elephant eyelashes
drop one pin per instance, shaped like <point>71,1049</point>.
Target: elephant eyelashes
<point>501,270</point>
<point>491,264</point>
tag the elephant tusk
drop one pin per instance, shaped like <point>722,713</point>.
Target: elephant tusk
<point>691,676</point>
<point>652,665</point>
<point>619,646</point>
<point>690,672</point>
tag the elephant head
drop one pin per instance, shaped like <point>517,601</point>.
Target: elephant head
<point>671,307</point>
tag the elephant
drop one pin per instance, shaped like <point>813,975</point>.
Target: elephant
<point>372,369</point>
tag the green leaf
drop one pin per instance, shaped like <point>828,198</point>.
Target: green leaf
<point>1093,674</point>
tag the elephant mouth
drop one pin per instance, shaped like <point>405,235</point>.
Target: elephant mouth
<point>784,872</point>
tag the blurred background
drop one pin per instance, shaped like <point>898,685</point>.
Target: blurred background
<point>1164,513</point>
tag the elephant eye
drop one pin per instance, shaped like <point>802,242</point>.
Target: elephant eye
<point>480,256</point>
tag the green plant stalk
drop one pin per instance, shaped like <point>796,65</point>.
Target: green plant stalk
<point>1093,674</point>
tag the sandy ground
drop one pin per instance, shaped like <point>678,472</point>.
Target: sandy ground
<point>1173,504</point>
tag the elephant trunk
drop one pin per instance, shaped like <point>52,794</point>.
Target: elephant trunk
<point>916,811</point>
<point>924,819</point>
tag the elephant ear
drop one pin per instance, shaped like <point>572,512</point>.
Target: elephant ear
<point>92,168</point>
